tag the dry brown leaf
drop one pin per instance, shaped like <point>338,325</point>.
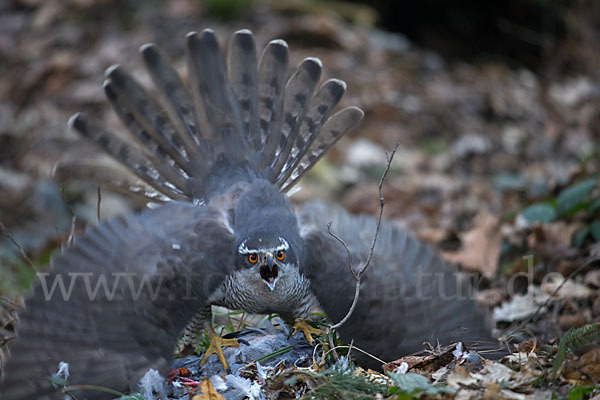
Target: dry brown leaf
<point>585,370</point>
<point>557,233</point>
<point>569,289</point>
<point>592,278</point>
<point>532,345</point>
<point>480,246</point>
<point>424,365</point>
<point>207,391</point>
<point>568,321</point>
<point>520,307</point>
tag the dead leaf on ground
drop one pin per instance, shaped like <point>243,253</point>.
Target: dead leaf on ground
<point>592,278</point>
<point>569,289</point>
<point>559,233</point>
<point>584,370</point>
<point>521,306</point>
<point>480,246</point>
<point>532,345</point>
<point>423,365</point>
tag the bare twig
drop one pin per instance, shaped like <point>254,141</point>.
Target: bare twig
<point>71,236</point>
<point>589,261</point>
<point>358,276</point>
<point>352,347</point>
<point>98,203</point>
<point>339,239</point>
<point>4,231</point>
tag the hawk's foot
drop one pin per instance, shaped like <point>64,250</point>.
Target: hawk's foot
<point>216,347</point>
<point>306,329</point>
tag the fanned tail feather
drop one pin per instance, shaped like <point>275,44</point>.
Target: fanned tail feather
<point>237,111</point>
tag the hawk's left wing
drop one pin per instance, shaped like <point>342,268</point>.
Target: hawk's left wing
<point>408,294</point>
<point>115,302</point>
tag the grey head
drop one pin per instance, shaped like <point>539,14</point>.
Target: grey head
<point>267,277</point>
<point>268,257</point>
<point>267,254</point>
<point>268,239</point>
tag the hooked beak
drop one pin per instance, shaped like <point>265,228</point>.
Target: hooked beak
<point>269,271</point>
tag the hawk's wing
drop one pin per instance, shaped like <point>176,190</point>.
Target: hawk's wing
<point>408,295</point>
<point>159,268</point>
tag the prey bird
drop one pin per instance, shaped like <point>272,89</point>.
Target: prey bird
<point>218,152</point>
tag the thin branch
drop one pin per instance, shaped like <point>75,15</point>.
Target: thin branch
<point>4,231</point>
<point>390,158</point>
<point>339,239</point>
<point>358,276</point>
<point>71,237</point>
<point>98,203</point>
<point>352,347</point>
<point>589,261</point>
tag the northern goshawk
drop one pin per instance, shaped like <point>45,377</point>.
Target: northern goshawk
<point>220,153</point>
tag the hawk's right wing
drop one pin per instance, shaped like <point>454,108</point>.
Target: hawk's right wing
<point>130,286</point>
<point>408,295</point>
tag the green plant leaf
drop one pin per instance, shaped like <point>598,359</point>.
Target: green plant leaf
<point>579,237</point>
<point>541,212</point>
<point>415,385</point>
<point>573,196</point>
<point>594,206</point>
<point>579,392</point>
<point>58,381</point>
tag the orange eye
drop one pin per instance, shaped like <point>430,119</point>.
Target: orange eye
<point>280,255</point>
<point>253,258</point>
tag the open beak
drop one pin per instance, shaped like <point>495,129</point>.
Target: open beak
<point>269,271</point>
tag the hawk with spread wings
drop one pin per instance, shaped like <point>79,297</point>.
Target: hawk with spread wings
<point>219,154</point>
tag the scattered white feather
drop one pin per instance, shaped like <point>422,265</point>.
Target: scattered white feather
<point>63,371</point>
<point>218,383</point>
<point>245,388</point>
<point>262,374</point>
<point>152,382</point>
<point>343,365</point>
<point>461,355</point>
<point>458,351</point>
<point>402,368</point>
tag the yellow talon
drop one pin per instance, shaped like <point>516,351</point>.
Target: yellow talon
<point>216,347</point>
<point>307,330</point>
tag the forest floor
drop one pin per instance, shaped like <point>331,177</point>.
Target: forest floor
<point>498,167</point>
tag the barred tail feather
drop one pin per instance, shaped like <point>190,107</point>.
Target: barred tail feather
<point>109,177</point>
<point>176,101</point>
<point>151,170</point>
<point>236,111</point>
<point>332,131</point>
<point>243,75</point>
<point>321,107</point>
<point>272,72</point>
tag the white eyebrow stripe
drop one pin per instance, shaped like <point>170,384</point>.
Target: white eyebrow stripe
<point>243,249</point>
<point>284,244</point>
